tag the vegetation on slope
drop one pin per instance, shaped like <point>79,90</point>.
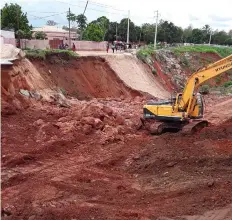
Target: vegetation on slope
<point>221,51</point>
<point>145,52</point>
<point>43,54</point>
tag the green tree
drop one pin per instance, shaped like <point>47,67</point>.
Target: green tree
<point>206,30</point>
<point>197,36</point>
<point>93,32</point>
<point>81,21</point>
<point>103,22</point>
<point>40,35</point>
<point>111,32</point>
<point>122,30</point>
<point>219,37</point>
<point>148,33</point>
<point>168,32</point>
<point>187,34</point>
<point>12,17</point>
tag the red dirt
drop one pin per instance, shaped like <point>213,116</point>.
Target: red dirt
<point>51,169</point>
<point>90,161</point>
<point>84,77</point>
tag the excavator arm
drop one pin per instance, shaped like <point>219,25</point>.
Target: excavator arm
<point>199,77</point>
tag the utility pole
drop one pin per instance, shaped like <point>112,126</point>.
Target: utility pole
<point>116,30</point>
<point>210,36</point>
<point>18,28</point>
<point>128,27</point>
<point>156,28</point>
<point>69,32</point>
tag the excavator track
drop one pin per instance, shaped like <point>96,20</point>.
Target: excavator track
<point>194,126</point>
<point>158,127</point>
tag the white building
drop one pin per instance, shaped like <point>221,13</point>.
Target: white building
<point>55,33</point>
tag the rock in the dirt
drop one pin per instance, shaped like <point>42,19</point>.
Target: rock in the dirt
<point>119,120</point>
<point>107,110</point>
<point>98,124</point>
<point>32,217</point>
<point>88,120</point>
<point>210,183</point>
<point>136,157</point>
<point>38,122</point>
<point>87,129</point>
<point>171,164</point>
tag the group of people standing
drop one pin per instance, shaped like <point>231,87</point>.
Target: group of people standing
<point>63,46</point>
<point>115,47</point>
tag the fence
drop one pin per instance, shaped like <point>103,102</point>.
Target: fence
<point>34,44</point>
<point>5,40</point>
<point>80,45</point>
<point>88,45</point>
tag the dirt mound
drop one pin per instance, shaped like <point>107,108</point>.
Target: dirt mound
<point>82,78</point>
<point>91,160</point>
<point>219,112</point>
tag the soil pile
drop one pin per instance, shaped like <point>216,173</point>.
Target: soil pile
<point>89,161</point>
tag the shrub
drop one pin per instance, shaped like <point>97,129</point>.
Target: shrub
<point>222,51</point>
<point>204,89</point>
<point>218,79</point>
<point>64,92</point>
<point>43,54</point>
<point>227,84</point>
<point>154,71</point>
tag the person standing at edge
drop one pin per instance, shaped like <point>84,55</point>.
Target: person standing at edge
<point>113,47</point>
<point>107,47</point>
<point>73,47</point>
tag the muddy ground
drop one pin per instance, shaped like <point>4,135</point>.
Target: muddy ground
<point>90,160</point>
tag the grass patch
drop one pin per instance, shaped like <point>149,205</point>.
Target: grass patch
<point>221,51</point>
<point>145,52</point>
<point>227,84</point>
<point>204,89</point>
<point>43,54</point>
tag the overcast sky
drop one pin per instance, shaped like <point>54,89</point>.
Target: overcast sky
<point>181,12</point>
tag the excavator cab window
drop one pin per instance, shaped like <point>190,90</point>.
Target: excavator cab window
<point>179,97</point>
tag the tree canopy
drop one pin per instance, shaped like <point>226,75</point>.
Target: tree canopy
<point>12,18</point>
<point>93,32</point>
<point>40,35</point>
<point>167,31</point>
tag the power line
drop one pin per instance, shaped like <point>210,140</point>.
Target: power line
<point>49,15</point>
<point>93,3</point>
<point>42,12</point>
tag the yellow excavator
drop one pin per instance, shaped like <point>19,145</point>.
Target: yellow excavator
<point>184,112</point>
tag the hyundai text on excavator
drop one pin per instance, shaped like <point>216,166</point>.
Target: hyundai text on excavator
<point>184,112</point>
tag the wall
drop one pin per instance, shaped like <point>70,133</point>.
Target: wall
<point>34,44</point>
<point>88,45</point>
<point>80,45</point>
<point>8,37</point>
